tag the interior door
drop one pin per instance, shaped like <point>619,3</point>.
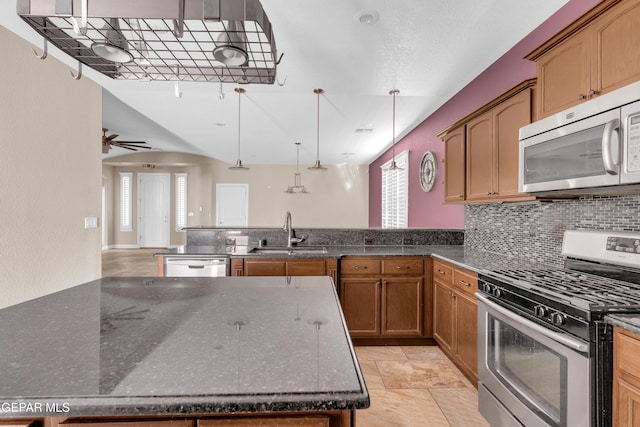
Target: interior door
<point>153,209</point>
<point>232,205</point>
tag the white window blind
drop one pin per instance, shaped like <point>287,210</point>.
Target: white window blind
<point>395,193</point>
<point>125,201</point>
<point>181,201</point>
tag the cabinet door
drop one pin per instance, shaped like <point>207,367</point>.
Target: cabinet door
<point>563,75</point>
<point>508,118</point>
<point>615,43</point>
<point>265,267</point>
<point>480,157</point>
<point>466,333</point>
<point>402,306</point>
<point>360,298</point>
<point>306,267</point>
<point>443,316</point>
<point>454,168</point>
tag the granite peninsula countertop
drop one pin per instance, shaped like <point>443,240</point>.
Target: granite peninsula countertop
<point>162,346</point>
<point>629,322</point>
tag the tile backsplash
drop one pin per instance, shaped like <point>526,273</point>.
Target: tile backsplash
<point>534,230</point>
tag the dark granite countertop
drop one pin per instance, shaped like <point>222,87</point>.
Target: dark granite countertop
<point>470,259</point>
<point>147,346</point>
<point>630,322</point>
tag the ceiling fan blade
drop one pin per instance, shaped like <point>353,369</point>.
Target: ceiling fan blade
<point>112,137</point>
<point>134,146</point>
<point>125,147</point>
<point>130,142</point>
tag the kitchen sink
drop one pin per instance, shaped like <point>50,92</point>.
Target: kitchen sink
<point>280,250</point>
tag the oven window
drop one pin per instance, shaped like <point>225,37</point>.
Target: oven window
<point>531,370</point>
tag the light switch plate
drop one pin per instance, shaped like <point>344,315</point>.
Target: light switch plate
<point>91,222</point>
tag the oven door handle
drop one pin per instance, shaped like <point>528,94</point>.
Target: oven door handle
<point>556,336</point>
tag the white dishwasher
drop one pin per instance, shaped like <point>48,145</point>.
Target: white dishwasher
<point>210,266</point>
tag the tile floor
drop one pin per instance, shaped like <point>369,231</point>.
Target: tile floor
<point>409,386</point>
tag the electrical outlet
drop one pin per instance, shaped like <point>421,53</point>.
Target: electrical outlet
<point>407,241</point>
<point>368,241</point>
<point>91,222</point>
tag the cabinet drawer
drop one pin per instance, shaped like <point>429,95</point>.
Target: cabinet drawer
<point>265,267</point>
<point>465,281</point>
<point>359,266</point>
<point>442,272</point>
<point>311,267</point>
<point>403,266</point>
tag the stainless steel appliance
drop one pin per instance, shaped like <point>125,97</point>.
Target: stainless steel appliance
<point>592,145</point>
<point>197,266</point>
<point>545,353</point>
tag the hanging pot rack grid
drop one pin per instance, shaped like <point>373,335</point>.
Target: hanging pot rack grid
<point>159,54</point>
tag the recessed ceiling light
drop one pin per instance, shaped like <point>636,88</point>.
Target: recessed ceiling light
<point>364,130</point>
<point>367,17</point>
<point>221,124</point>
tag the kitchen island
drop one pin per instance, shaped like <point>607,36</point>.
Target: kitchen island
<point>217,349</point>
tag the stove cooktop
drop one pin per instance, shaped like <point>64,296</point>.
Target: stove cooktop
<point>575,288</point>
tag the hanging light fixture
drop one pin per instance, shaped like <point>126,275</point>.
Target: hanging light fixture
<point>239,164</point>
<point>318,166</point>
<point>114,47</point>
<point>394,166</point>
<point>297,187</point>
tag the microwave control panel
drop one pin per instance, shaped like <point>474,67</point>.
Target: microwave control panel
<point>633,144</point>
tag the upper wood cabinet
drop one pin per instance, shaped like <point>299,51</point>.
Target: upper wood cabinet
<point>454,172</point>
<point>481,151</point>
<point>595,55</point>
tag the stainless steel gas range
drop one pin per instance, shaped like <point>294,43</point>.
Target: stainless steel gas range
<point>545,351</point>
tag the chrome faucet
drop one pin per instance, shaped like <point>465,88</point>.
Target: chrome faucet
<point>291,239</point>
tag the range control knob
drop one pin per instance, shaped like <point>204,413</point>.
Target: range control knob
<point>558,319</point>
<point>541,311</point>
<point>497,292</point>
<point>486,287</point>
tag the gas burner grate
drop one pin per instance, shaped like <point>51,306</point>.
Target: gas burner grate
<point>579,289</point>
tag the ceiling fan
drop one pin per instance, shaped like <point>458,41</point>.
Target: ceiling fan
<point>109,141</point>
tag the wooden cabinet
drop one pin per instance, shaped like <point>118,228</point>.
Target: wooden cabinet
<point>455,311</point>
<point>454,171</point>
<point>481,150</point>
<point>123,422</point>
<point>285,267</point>
<point>626,378</point>
<point>595,55</point>
<point>383,297</point>
<point>308,421</point>
<point>492,149</point>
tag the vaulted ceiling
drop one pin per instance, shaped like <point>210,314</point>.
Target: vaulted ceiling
<point>426,49</point>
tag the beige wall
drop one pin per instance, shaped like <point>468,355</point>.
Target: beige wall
<point>339,195</point>
<point>50,174</point>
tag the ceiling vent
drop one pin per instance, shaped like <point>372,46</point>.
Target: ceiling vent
<point>228,41</point>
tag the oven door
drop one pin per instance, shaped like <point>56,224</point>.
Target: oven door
<point>530,375</point>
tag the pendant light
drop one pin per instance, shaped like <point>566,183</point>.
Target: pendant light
<point>239,165</point>
<point>297,187</point>
<point>318,166</point>
<point>394,166</point>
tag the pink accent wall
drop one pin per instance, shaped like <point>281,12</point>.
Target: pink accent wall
<point>427,209</point>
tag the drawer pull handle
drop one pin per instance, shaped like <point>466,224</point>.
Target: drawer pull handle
<point>465,283</point>
<point>400,267</point>
<point>357,267</point>
<point>441,272</point>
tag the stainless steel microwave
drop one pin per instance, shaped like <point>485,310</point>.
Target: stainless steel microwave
<point>592,148</point>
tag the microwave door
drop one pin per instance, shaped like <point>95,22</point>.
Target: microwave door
<point>630,173</point>
<point>582,154</point>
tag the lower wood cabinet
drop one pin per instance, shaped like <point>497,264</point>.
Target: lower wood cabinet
<point>285,267</point>
<point>307,421</point>
<point>383,297</point>
<point>455,316</point>
<point>626,378</point>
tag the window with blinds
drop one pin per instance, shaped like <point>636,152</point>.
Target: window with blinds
<point>395,192</point>
<point>181,201</point>
<point>126,211</point>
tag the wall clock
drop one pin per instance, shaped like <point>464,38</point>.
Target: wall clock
<point>428,170</point>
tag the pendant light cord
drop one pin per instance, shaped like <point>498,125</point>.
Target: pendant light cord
<point>239,101</point>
